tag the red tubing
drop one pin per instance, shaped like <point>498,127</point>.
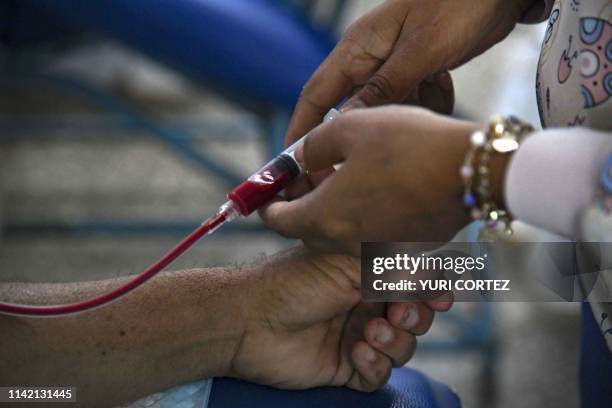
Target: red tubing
<point>55,310</point>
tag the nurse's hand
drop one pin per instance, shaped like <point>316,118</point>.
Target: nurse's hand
<point>389,51</point>
<point>399,180</point>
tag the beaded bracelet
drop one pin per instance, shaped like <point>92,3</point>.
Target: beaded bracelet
<point>503,135</point>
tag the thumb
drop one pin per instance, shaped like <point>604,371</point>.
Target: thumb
<point>288,218</point>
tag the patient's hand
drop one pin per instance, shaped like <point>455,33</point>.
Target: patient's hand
<point>306,326</point>
<point>293,321</point>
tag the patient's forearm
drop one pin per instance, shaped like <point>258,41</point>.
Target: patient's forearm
<point>179,327</point>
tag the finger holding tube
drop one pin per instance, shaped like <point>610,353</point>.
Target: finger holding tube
<point>362,50</point>
<point>325,146</point>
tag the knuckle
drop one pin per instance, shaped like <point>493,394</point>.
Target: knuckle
<point>340,128</point>
<point>351,32</point>
<point>347,274</point>
<point>377,90</point>
<point>355,29</point>
<point>341,123</point>
<point>349,122</point>
<point>305,97</point>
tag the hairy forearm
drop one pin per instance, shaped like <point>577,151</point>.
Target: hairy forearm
<point>179,327</point>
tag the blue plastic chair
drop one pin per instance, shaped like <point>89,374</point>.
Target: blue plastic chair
<point>253,50</point>
<point>595,363</point>
<point>407,388</point>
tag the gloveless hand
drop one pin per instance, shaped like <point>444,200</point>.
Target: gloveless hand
<point>294,320</point>
<point>388,52</point>
<point>306,326</point>
<point>400,52</point>
<point>399,180</point>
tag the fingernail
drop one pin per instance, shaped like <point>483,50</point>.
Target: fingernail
<point>384,335</point>
<point>368,354</point>
<point>353,104</point>
<point>410,318</point>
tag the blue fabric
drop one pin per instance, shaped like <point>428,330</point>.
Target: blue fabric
<point>407,388</point>
<point>252,49</point>
<point>595,363</point>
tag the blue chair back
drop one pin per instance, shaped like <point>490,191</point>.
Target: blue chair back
<point>253,49</point>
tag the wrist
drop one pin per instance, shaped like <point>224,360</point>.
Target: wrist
<point>222,307</point>
<point>463,130</point>
<point>453,146</point>
<point>498,165</point>
<point>484,167</point>
<point>458,148</point>
<point>251,304</point>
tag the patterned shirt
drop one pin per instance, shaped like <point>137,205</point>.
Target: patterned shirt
<point>574,83</point>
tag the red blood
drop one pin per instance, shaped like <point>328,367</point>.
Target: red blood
<point>256,191</point>
<point>55,310</point>
<point>263,186</point>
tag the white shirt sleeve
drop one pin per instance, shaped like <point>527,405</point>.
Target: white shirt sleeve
<point>554,175</point>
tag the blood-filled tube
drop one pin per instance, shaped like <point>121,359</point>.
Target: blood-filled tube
<point>263,185</point>
<point>257,190</point>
